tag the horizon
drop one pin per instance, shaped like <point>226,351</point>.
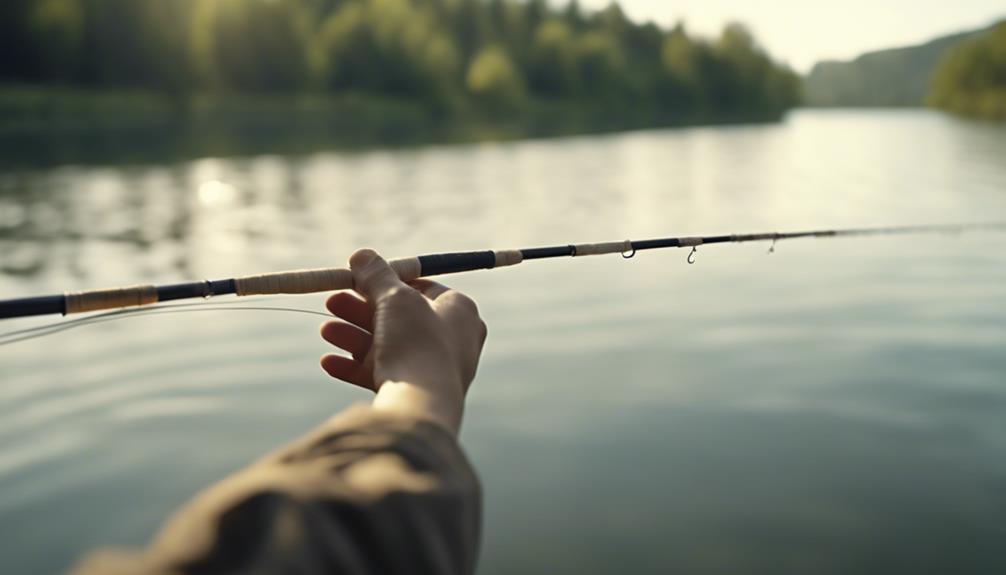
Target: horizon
<point>787,28</point>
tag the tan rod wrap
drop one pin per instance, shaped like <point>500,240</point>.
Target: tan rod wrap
<point>79,302</point>
<point>602,248</point>
<point>508,258</point>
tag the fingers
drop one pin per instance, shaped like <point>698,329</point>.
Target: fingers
<point>350,307</point>
<point>348,370</point>
<point>372,276</point>
<point>348,337</point>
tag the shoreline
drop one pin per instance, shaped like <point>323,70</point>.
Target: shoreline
<point>45,126</point>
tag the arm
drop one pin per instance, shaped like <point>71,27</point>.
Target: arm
<point>383,488</point>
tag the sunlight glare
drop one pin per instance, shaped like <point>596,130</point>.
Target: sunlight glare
<point>214,192</point>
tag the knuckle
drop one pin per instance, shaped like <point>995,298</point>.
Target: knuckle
<point>463,301</point>
<point>402,296</point>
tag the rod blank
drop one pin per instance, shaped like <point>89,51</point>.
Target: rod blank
<point>331,279</point>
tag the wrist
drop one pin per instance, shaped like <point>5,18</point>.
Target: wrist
<point>441,401</point>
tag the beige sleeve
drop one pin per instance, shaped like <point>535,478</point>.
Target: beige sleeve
<point>366,493</point>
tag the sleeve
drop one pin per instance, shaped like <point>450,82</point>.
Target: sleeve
<point>366,493</point>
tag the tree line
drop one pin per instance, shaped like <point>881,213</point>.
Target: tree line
<point>971,78</point>
<point>492,56</point>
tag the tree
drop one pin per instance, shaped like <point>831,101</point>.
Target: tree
<point>253,45</point>
<point>552,68</point>
<point>494,81</point>
<point>57,31</point>
<point>20,61</point>
<point>971,78</point>
<point>681,85</point>
<point>599,61</point>
<point>389,47</point>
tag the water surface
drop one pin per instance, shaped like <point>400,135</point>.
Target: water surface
<point>837,406</point>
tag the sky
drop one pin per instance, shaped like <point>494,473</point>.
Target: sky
<point>802,32</point>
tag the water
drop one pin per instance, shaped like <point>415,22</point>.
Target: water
<point>836,406</point>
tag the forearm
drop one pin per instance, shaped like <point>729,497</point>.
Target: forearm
<point>368,492</point>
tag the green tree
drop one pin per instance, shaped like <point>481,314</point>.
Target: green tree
<point>599,62</point>
<point>494,81</point>
<point>681,83</point>
<point>552,68</point>
<point>57,32</point>
<point>253,45</point>
<point>388,47</point>
<point>573,16</point>
<point>136,44</point>
<point>19,61</point>
<point>736,69</point>
<point>971,78</point>
<point>470,26</point>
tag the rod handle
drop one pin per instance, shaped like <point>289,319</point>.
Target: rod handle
<point>315,280</point>
<point>408,269</point>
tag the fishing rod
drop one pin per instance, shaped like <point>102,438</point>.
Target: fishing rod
<point>331,279</point>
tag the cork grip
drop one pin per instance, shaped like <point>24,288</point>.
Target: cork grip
<point>317,280</point>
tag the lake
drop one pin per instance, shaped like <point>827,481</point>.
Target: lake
<point>836,406</point>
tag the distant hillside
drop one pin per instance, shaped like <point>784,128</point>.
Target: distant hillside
<point>896,77</point>
<point>971,78</point>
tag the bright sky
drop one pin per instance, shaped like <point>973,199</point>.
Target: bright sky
<point>802,32</point>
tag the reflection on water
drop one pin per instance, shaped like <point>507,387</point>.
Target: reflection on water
<point>834,407</point>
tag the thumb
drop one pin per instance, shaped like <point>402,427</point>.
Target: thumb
<point>372,276</point>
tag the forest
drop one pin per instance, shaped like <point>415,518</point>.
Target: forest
<point>971,78</point>
<point>494,61</point>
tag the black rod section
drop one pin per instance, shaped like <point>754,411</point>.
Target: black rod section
<point>550,252</point>
<point>28,306</point>
<point>449,263</point>
<point>195,289</point>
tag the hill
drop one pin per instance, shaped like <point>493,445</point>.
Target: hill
<point>971,78</point>
<point>894,77</point>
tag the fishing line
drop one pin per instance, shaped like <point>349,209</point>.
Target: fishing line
<point>73,322</point>
<point>57,327</point>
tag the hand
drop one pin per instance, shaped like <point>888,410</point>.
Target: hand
<point>416,345</point>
